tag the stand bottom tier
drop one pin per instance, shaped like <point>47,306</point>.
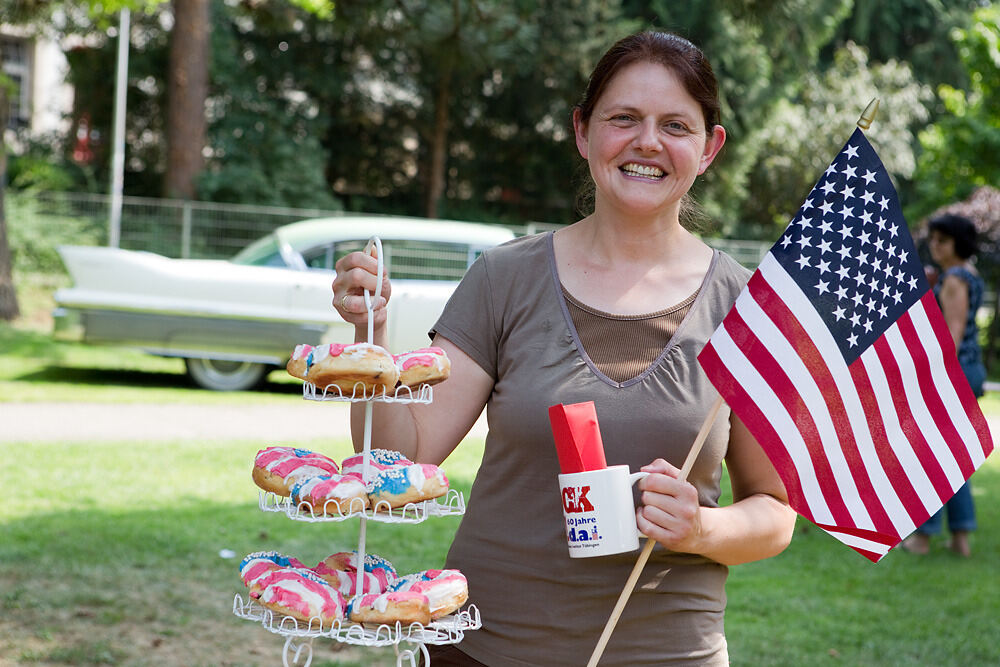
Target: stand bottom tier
<point>450,629</point>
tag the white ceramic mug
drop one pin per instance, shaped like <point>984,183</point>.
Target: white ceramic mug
<point>599,512</point>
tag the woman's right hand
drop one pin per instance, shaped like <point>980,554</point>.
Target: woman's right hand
<point>357,272</point>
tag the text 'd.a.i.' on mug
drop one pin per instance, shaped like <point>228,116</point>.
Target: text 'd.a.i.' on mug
<point>599,511</point>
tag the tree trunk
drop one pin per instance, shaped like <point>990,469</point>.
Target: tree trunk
<point>8,294</point>
<point>187,90</point>
<point>439,146</point>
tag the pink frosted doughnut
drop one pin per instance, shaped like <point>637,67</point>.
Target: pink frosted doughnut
<point>347,582</point>
<point>381,459</point>
<point>407,484</point>
<point>446,590</point>
<point>346,561</point>
<point>330,494</point>
<point>277,469</point>
<point>428,365</point>
<point>302,595</point>
<point>259,564</point>
<point>404,606</point>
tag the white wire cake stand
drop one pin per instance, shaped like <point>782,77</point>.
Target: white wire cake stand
<point>299,635</point>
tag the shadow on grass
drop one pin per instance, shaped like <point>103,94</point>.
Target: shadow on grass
<point>156,586</point>
<point>36,358</point>
<point>126,378</point>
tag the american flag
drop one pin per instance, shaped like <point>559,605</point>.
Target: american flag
<point>838,360</point>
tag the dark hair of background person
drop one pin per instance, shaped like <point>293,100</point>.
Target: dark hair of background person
<point>959,228</point>
<point>690,65</point>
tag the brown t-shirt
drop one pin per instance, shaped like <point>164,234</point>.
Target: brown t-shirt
<point>540,607</point>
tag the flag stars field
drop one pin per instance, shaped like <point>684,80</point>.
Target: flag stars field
<point>864,306</point>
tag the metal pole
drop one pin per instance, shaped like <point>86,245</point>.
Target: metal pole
<point>118,156</point>
<point>186,230</point>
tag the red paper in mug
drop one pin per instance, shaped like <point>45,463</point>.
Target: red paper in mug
<point>578,437</point>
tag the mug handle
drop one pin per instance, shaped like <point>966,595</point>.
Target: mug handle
<point>636,476</point>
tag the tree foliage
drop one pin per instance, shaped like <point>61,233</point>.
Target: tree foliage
<point>264,141</point>
<point>462,107</point>
<point>795,154</point>
<point>915,31</point>
<point>960,150</point>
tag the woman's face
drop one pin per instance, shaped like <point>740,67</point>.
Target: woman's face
<point>942,247</point>
<point>646,141</point>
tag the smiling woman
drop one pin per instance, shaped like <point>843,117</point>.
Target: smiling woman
<point>611,309</point>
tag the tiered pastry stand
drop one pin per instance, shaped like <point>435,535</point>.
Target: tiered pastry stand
<point>298,635</point>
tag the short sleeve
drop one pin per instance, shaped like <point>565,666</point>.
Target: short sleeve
<point>469,320</point>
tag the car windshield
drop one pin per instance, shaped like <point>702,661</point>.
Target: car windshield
<point>412,260</point>
<point>404,258</point>
<point>262,252</point>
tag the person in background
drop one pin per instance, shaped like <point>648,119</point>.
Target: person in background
<point>612,309</point>
<point>959,292</point>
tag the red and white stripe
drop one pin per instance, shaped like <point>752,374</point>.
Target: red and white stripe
<point>868,451</point>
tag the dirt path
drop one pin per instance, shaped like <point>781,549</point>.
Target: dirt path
<point>42,422</point>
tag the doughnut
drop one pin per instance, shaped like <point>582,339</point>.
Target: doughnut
<point>345,366</point>
<point>259,564</point>
<point>446,590</point>
<point>300,361</point>
<point>428,365</point>
<point>277,469</point>
<point>346,561</point>
<point>407,484</point>
<point>347,582</point>
<point>330,494</point>
<point>301,594</point>
<point>403,606</point>
<point>381,459</point>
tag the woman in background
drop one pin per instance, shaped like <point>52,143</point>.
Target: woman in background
<point>959,291</point>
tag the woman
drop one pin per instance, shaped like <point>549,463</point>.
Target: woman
<point>959,291</point>
<point>613,309</point>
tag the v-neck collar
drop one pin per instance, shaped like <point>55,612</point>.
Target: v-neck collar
<point>564,307</point>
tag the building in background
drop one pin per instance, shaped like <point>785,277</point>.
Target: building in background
<point>42,101</point>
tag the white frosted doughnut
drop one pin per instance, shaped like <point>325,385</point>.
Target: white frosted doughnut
<point>355,369</point>
<point>428,365</point>
<point>277,469</point>
<point>446,590</point>
<point>301,594</point>
<point>407,484</point>
<point>402,606</point>
<point>259,564</point>
<point>346,561</point>
<point>330,494</point>
<point>381,459</point>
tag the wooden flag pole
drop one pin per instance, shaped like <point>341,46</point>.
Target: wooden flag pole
<point>650,542</point>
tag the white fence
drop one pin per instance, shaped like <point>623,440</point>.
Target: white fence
<point>192,229</point>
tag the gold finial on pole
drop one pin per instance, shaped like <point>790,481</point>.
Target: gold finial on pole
<point>868,115</point>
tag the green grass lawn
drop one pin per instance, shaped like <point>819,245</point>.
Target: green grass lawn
<point>110,552</point>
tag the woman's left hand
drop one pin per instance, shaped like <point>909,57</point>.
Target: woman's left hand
<point>670,513</point>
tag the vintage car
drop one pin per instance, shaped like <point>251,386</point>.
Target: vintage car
<point>233,321</point>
